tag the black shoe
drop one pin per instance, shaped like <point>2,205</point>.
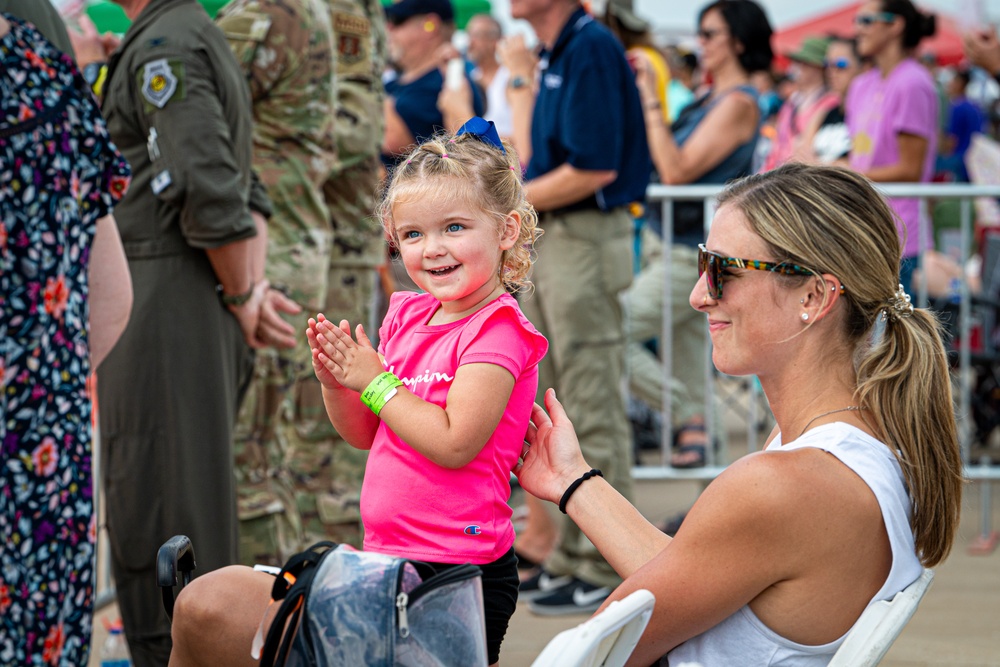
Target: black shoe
<point>541,584</point>
<point>576,597</point>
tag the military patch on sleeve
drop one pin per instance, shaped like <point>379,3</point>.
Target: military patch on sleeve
<point>352,35</point>
<point>161,81</point>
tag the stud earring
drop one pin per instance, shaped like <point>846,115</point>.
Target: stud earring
<point>802,300</point>
<point>805,317</point>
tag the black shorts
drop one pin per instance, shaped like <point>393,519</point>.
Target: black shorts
<point>500,583</point>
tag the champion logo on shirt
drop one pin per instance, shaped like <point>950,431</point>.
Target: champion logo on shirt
<point>428,376</point>
<point>473,530</point>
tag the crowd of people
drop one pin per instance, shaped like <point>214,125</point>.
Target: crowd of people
<point>306,233</point>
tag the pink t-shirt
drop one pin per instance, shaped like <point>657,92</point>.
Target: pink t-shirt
<point>412,507</point>
<point>877,110</point>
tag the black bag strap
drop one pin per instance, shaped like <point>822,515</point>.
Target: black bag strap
<point>291,585</point>
<point>295,565</point>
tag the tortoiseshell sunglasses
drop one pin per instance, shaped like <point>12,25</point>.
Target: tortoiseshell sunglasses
<point>712,265</point>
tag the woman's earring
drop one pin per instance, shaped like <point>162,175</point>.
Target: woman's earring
<point>805,317</point>
<point>802,300</point>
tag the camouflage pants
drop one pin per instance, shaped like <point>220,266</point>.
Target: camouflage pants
<point>325,471</point>
<point>298,481</point>
<point>268,534</point>
<point>298,262</point>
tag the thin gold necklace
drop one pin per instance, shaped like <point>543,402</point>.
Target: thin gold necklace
<point>849,408</point>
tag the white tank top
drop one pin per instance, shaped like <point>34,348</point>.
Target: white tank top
<point>742,639</point>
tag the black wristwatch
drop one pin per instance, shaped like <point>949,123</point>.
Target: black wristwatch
<point>517,82</point>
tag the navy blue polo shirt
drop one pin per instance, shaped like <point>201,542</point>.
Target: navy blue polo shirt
<point>588,114</point>
<point>416,104</point>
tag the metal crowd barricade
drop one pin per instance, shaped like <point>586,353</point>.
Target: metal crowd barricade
<point>664,196</point>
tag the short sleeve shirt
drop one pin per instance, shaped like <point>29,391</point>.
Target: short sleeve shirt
<point>588,114</point>
<point>412,507</point>
<point>878,110</point>
<point>416,104</point>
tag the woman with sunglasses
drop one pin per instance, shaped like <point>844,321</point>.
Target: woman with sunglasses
<point>859,485</point>
<point>712,141</point>
<point>892,112</point>
<point>827,139</point>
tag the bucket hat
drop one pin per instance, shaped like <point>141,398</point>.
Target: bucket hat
<point>812,52</point>
<point>623,11</point>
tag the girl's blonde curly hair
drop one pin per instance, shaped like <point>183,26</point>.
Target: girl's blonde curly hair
<point>489,179</point>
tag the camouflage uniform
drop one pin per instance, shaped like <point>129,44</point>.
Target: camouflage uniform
<point>285,48</point>
<point>326,471</point>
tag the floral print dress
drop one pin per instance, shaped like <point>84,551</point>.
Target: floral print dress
<point>59,173</point>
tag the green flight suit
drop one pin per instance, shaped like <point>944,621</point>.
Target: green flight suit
<point>178,108</point>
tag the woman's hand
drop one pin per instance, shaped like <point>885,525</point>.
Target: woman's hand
<point>645,78</point>
<point>551,455</point>
<point>352,364</point>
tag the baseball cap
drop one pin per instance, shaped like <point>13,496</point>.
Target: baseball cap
<point>403,9</point>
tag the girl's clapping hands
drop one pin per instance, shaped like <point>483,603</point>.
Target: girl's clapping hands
<point>339,360</point>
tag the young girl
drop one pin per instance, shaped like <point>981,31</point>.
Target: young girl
<point>450,389</point>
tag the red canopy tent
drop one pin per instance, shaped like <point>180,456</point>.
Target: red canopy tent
<point>946,44</point>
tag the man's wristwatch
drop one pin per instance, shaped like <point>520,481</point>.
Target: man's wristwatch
<point>94,74</point>
<point>517,82</point>
<point>234,300</point>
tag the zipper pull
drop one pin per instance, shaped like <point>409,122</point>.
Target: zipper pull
<point>404,626</point>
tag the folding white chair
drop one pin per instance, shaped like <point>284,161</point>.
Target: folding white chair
<point>879,625</point>
<point>605,640</point>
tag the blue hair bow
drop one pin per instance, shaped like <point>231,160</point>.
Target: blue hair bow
<point>484,130</point>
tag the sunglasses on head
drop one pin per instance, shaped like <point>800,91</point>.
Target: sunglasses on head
<point>837,63</point>
<point>714,266</point>
<point>869,19</point>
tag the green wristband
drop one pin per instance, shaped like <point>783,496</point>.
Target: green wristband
<point>380,390</point>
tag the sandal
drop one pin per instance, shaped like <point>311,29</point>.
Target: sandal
<point>686,450</point>
<point>695,462</point>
